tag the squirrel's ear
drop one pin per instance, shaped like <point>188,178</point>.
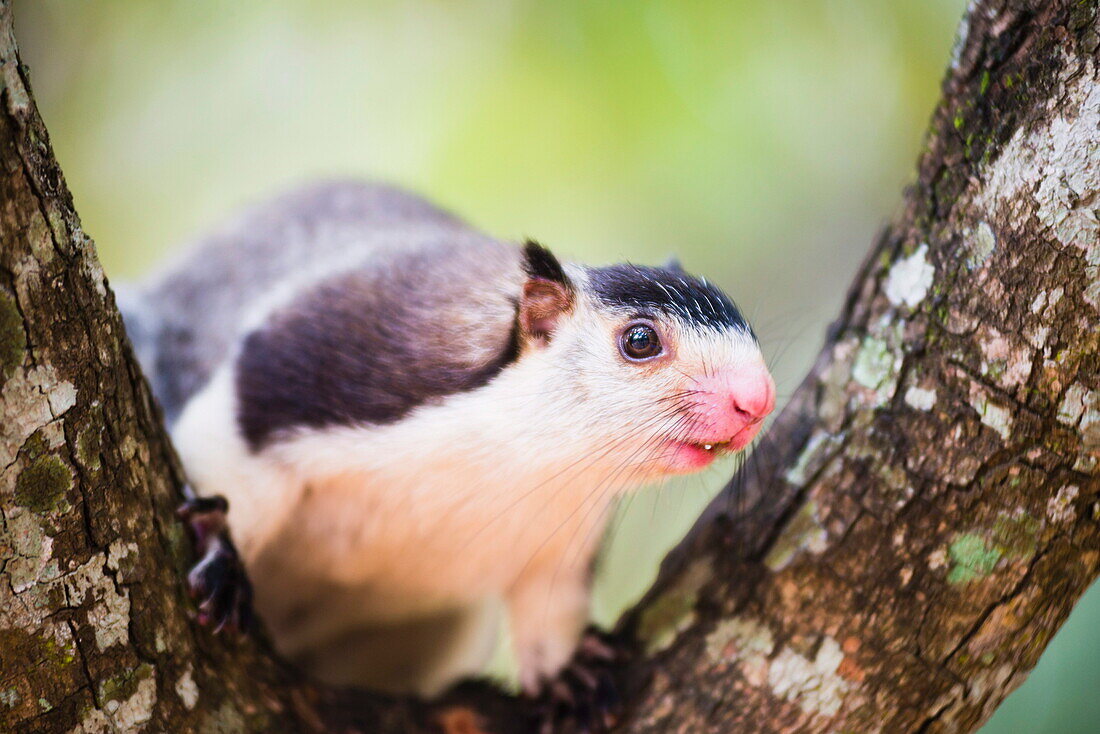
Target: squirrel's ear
<point>547,294</point>
<point>673,264</point>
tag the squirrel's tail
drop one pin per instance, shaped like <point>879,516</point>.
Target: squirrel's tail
<point>144,327</point>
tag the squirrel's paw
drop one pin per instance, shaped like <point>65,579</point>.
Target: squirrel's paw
<point>218,581</point>
<point>583,698</point>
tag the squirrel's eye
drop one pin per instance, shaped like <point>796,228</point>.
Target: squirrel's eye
<point>640,341</point>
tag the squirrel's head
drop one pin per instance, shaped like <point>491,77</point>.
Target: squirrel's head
<point>662,365</point>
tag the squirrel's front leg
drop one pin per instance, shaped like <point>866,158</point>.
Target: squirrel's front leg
<point>220,464</point>
<point>218,581</point>
<point>559,663</point>
<point>547,611</point>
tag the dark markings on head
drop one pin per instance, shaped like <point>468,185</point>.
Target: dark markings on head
<point>368,347</point>
<point>668,291</point>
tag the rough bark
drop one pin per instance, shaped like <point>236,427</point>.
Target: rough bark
<point>930,514</point>
<point>894,558</point>
<point>95,629</point>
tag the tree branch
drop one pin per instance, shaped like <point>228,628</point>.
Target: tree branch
<point>928,517</point>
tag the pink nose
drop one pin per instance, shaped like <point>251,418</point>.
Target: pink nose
<point>752,395</point>
<point>735,398</point>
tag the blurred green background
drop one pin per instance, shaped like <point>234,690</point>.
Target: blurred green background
<point>764,142</point>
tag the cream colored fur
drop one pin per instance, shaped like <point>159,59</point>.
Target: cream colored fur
<point>501,493</point>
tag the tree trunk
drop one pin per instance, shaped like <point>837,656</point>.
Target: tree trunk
<point>895,557</point>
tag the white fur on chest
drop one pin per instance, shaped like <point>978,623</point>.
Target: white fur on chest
<point>443,508</point>
<point>452,503</point>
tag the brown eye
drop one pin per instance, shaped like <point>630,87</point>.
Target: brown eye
<point>640,341</point>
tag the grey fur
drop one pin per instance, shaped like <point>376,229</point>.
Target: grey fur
<point>143,325</point>
<point>200,303</point>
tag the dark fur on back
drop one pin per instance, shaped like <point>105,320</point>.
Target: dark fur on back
<point>369,346</point>
<point>198,305</point>
<point>670,291</point>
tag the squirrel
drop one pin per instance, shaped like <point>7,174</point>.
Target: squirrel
<point>421,429</point>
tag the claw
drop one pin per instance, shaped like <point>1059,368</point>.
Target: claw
<point>583,698</point>
<point>202,506</point>
<point>595,644</point>
<point>218,581</point>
